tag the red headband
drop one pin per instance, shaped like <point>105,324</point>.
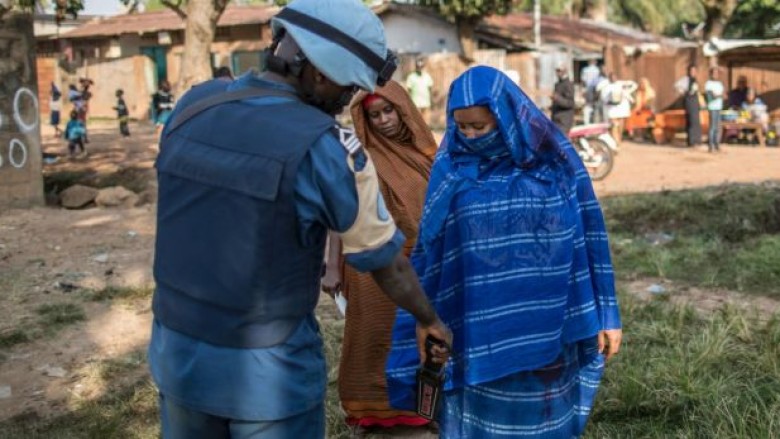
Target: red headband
<point>370,99</point>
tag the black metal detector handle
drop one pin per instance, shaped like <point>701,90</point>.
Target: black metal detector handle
<point>430,381</point>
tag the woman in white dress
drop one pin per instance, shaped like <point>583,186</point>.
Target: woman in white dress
<point>617,99</point>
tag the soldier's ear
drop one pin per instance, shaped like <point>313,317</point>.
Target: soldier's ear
<point>319,78</point>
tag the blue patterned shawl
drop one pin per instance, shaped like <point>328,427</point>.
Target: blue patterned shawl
<point>513,253</point>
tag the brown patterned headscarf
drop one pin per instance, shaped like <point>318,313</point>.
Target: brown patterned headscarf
<point>403,162</point>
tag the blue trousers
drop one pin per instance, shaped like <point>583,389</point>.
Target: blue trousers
<point>714,132</point>
<point>179,422</point>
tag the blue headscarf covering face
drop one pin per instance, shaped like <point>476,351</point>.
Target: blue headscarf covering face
<point>522,126</point>
<point>486,141</point>
<point>524,138</point>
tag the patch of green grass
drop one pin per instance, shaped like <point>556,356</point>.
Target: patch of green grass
<point>753,266</point>
<point>683,376</point>
<point>127,413</point>
<point>723,237</point>
<point>732,213</point>
<point>13,338</point>
<point>115,367</point>
<point>123,293</point>
<point>55,316</point>
<point>332,334</point>
<point>50,319</point>
<point>21,324</point>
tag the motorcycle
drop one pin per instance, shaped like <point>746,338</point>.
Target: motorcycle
<point>596,147</point>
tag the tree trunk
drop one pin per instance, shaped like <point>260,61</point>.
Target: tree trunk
<point>466,27</point>
<point>201,26</point>
<point>21,182</point>
<point>718,13</point>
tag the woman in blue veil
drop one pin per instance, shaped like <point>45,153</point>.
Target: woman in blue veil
<point>513,253</point>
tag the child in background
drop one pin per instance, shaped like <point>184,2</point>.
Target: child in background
<point>162,101</point>
<point>74,133</point>
<point>77,99</point>
<point>121,113</point>
<point>55,107</point>
<point>86,95</point>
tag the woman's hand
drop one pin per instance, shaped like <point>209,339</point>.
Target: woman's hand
<point>609,341</point>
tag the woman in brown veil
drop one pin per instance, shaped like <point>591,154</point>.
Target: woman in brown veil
<point>401,147</point>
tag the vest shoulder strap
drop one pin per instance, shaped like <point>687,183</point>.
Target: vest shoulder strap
<point>204,104</point>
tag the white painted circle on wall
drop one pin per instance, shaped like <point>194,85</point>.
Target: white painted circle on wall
<point>32,122</point>
<point>17,153</point>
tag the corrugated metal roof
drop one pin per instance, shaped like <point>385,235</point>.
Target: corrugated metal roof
<point>584,34</point>
<point>167,20</point>
<point>717,45</point>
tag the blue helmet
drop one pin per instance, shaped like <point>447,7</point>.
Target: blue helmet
<point>343,39</point>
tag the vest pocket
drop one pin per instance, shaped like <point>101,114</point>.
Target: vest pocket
<point>249,174</point>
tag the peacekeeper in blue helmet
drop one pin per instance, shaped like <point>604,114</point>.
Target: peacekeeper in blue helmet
<point>252,175</point>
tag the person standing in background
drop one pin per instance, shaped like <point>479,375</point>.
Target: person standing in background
<point>162,101</point>
<point>617,95</point>
<point>563,101</point>
<point>600,105</point>
<point>590,76</point>
<point>86,96</point>
<point>55,109</point>
<point>74,97</point>
<point>692,108</point>
<point>713,90</point>
<point>419,84</point>
<point>74,134</point>
<point>121,113</point>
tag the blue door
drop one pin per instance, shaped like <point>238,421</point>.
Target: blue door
<point>158,55</point>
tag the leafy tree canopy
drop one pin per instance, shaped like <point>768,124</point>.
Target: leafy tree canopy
<point>62,8</point>
<point>750,19</point>
<point>755,19</point>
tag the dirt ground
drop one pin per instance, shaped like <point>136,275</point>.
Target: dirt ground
<point>651,168</point>
<point>48,255</point>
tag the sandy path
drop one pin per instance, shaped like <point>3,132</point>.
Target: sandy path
<point>648,168</point>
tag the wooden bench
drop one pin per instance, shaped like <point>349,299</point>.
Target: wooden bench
<point>670,122</point>
<point>755,127</point>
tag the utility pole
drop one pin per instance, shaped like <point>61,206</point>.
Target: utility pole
<point>538,49</point>
<point>537,25</point>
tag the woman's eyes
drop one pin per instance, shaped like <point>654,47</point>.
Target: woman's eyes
<point>474,126</point>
